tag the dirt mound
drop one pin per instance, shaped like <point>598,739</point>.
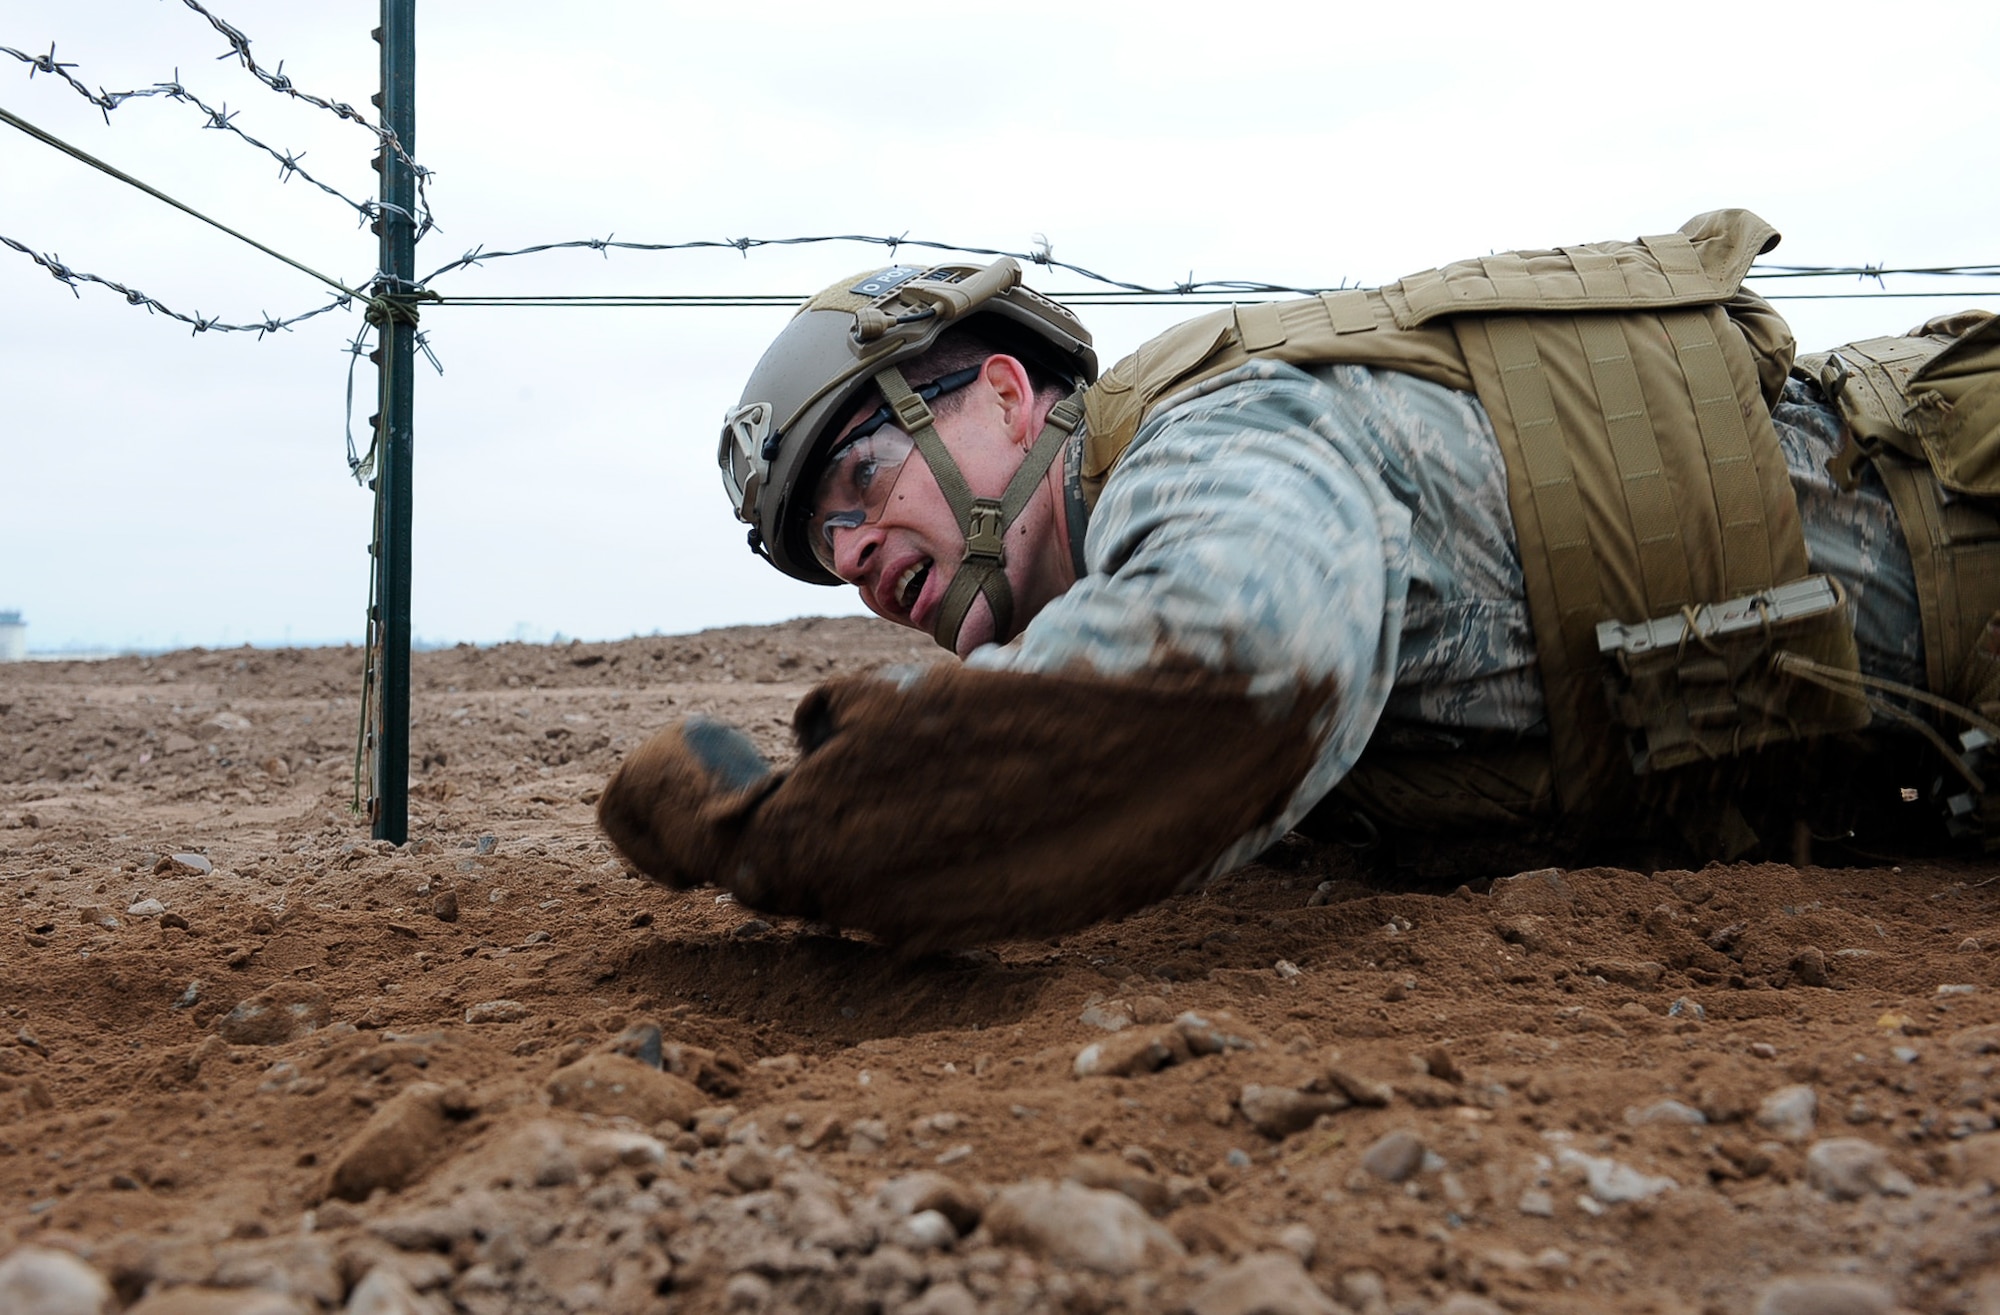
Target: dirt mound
<point>254,1060</point>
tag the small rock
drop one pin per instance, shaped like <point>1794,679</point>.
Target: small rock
<point>147,908</point>
<point>1538,1203</point>
<point>1683,1007</point>
<point>1281,1111</point>
<point>1362,1290</point>
<point>1206,1038</point>
<point>947,1298</point>
<point>1286,969</point>
<point>1271,1283</point>
<point>1438,1063</point>
<point>746,1291</point>
<point>1848,1168</point>
<point>1666,1111</point>
<point>1530,931</point>
<point>749,1167</point>
<point>1789,1112</point>
<point>913,1194</point>
<point>1827,1295</point>
<point>285,1011</point>
<point>1611,1182</point>
<point>868,1136</point>
<point>399,1140</point>
<point>1131,1053</point>
<point>383,1291</point>
<point>1360,1090</point>
<point>1073,1225</point>
<point>36,1280</point>
<point>1114,1174</point>
<point>926,1230</point>
<point>1394,1156</point>
<point>1300,1240</point>
<point>1640,974</point>
<point>1111,1015</point>
<point>1809,966</point>
<point>96,915</point>
<point>496,1011</point>
<point>444,906</point>
<point>183,865</point>
<point>1958,988</point>
<point>611,1084</point>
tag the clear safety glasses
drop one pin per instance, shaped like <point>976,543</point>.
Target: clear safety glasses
<point>853,489</point>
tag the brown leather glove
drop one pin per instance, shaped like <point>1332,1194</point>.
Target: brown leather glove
<point>677,805</point>
<point>964,806</point>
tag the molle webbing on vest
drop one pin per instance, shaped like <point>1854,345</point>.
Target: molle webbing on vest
<point>1925,409</point>
<point>1630,385</point>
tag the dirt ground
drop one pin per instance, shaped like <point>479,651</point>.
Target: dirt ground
<point>253,1061</point>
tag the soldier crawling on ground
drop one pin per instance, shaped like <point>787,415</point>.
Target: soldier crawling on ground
<point>1563,545</point>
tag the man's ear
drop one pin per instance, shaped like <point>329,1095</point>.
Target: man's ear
<point>1014,394</point>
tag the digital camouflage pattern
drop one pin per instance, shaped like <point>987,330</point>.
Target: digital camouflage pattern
<point>1351,525</point>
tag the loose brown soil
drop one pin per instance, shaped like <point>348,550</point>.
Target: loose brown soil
<point>321,1072</point>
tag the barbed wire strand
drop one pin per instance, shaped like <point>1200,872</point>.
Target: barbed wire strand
<point>198,322</point>
<point>1042,253</point>
<point>223,119</point>
<point>239,48</point>
<point>1122,292</point>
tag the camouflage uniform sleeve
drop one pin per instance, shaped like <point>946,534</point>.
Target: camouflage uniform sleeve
<point>1854,536</point>
<point>1249,528</point>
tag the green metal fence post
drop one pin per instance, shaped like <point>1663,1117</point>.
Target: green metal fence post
<point>396,278</point>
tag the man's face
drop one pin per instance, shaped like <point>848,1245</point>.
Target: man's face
<point>903,561</point>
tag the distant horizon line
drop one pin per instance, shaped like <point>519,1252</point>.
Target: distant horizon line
<point>418,644</point>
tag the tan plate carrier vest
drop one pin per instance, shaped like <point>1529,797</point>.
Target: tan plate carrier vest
<point>1630,385</point>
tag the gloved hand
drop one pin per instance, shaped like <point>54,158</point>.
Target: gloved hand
<point>676,806</point>
<point>960,805</point>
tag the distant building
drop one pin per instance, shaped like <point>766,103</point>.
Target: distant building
<point>13,637</point>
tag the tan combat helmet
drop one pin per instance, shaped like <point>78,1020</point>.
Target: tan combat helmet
<point>858,332</point>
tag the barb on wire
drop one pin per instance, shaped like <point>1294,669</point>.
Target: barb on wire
<point>200,323</point>
<point>224,119</point>
<point>239,48</point>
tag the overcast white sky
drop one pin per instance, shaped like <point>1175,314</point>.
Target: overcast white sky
<point>158,488</point>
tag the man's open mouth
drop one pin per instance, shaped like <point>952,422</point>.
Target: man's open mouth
<point>910,585</point>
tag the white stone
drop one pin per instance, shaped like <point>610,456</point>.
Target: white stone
<point>1789,1112</point>
<point>1611,1182</point>
<point>147,908</point>
<point>385,1292</point>
<point>1111,1015</point>
<point>1071,1224</point>
<point>1300,1240</point>
<point>926,1230</point>
<point>1848,1168</point>
<point>44,1281</point>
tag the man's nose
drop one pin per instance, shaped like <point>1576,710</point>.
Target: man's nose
<point>854,548</point>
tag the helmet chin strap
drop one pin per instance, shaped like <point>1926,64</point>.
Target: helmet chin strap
<point>984,521</point>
